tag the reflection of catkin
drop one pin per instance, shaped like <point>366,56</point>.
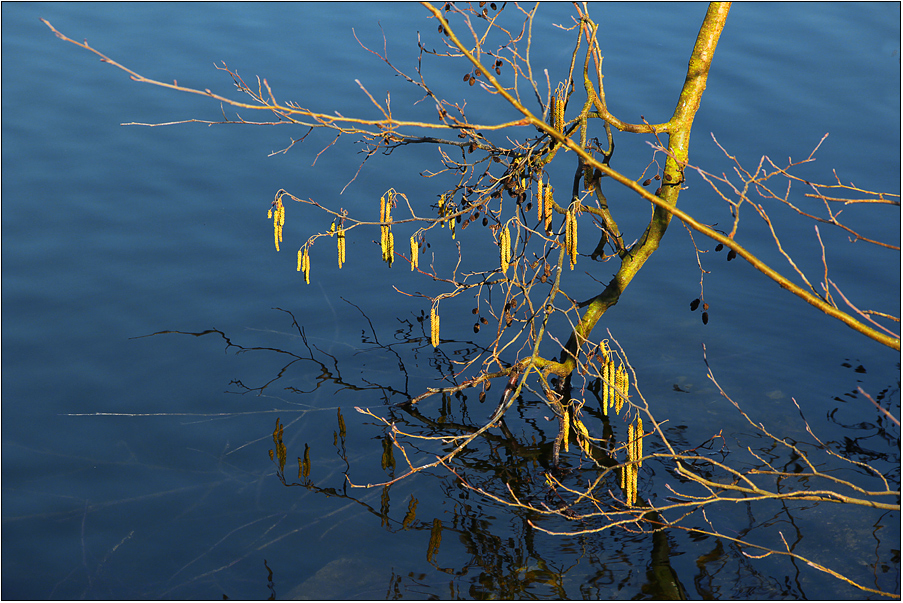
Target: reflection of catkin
<point>505,248</point>
<point>414,250</point>
<point>434,327</point>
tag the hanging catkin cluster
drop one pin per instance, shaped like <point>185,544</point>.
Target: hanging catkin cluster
<point>278,217</point>
<point>630,470</point>
<point>615,383</point>
<point>570,223</point>
<point>387,239</point>
<point>505,247</point>
<point>434,326</point>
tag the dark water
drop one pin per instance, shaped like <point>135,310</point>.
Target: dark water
<point>111,233</point>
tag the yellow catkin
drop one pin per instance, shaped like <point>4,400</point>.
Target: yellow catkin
<point>630,438</point>
<point>631,488</point>
<point>540,201</point>
<point>559,113</point>
<point>588,177</point>
<point>341,245</point>
<point>553,112</point>
<point>639,443</point>
<point>606,389</point>
<point>278,217</point>
<point>623,383</point>
<point>305,265</point>
<point>613,394</point>
<point>391,248</point>
<point>434,327</point>
<point>623,476</point>
<point>505,248</point>
<point>270,214</point>
<point>547,208</point>
<point>414,253</point>
<point>566,430</point>
<point>442,210</point>
<point>571,236</point>
<point>300,258</point>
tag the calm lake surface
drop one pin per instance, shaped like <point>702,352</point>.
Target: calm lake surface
<point>138,467</point>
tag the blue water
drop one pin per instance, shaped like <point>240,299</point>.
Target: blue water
<point>113,232</point>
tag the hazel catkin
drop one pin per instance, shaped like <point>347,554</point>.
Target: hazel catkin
<point>434,327</point>
<point>505,248</point>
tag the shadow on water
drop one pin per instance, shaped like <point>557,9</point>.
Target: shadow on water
<point>476,527</point>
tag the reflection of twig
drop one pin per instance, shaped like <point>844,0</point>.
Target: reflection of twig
<point>879,407</point>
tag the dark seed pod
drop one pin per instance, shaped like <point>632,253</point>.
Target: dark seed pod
<point>464,224</point>
<point>492,5</point>
<point>476,328</point>
<point>485,221</point>
<point>667,177</point>
<point>475,311</point>
<point>466,77</point>
<point>529,206</point>
<point>498,71</point>
<point>656,177</point>
<point>478,73</point>
<point>483,320</point>
<point>485,12</point>
<point>482,396</point>
<point>472,80</point>
<point>731,255</point>
<point>719,247</point>
<point>487,386</point>
<point>458,219</point>
<point>693,305</point>
<point>647,181</point>
<point>658,191</point>
<point>705,318</point>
